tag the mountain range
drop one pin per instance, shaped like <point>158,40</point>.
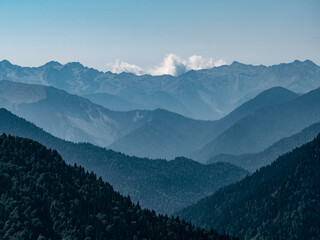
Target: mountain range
<point>154,134</point>
<point>73,118</point>
<point>279,201</point>
<point>184,145</point>
<point>204,94</point>
<point>164,186</point>
<point>152,138</point>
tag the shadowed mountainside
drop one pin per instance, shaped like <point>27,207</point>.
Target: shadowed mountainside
<point>252,162</point>
<point>259,130</point>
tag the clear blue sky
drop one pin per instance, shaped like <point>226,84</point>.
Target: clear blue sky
<point>142,32</point>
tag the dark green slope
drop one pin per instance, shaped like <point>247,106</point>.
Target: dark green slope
<point>158,184</point>
<point>280,201</point>
<point>41,197</point>
<point>252,162</point>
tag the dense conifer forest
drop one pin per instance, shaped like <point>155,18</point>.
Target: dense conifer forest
<point>41,197</point>
<point>280,201</point>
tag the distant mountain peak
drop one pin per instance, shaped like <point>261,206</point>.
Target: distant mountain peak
<point>52,64</point>
<point>74,64</point>
<point>5,63</point>
<point>298,63</point>
<point>237,63</point>
<point>295,62</point>
<point>309,63</point>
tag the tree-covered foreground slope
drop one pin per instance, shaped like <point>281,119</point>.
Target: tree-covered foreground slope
<point>41,197</point>
<point>165,186</point>
<point>280,201</point>
<point>252,162</point>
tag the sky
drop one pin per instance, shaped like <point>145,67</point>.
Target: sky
<point>156,37</point>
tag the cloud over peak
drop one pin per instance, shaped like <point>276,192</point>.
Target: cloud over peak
<point>171,64</point>
<point>119,67</point>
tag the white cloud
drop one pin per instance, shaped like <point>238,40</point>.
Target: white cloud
<point>171,64</point>
<point>219,63</point>
<point>198,62</point>
<point>119,67</point>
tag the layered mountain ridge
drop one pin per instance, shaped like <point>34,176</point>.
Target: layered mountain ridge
<point>164,186</point>
<point>260,129</point>
<point>204,94</point>
<point>144,133</point>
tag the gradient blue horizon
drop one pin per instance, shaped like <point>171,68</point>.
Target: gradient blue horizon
<point>142,32</point>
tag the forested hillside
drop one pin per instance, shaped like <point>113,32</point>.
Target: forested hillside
<point>164,186</point>
<point>41,197</point>
<point>280,201</point>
